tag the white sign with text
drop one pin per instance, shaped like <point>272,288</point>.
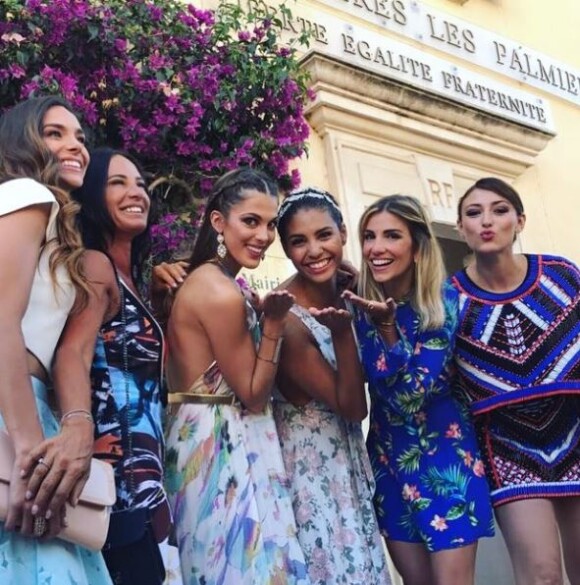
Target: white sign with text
<point>380,54</point>
<point>455,36</point>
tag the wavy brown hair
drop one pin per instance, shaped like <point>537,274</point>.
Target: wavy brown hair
<point>24,154</point>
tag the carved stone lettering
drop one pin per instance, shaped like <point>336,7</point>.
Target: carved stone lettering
<point>441,194</point>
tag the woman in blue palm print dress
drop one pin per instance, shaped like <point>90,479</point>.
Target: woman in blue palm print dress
<point>432,499</point>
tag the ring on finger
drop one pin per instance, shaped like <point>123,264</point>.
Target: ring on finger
<point>41,461</point>
<point>40,526</point>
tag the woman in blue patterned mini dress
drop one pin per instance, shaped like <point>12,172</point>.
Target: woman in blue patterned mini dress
<point>432,499</point>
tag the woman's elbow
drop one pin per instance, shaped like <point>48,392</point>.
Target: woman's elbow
<point>358,415</point>
<point>253,403</point>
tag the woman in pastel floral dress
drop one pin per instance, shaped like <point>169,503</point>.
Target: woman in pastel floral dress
<point>234,523</point>
<point>320,403</point>
<point>432,499</point>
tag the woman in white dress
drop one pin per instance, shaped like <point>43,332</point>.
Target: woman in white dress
<point>42,158</point>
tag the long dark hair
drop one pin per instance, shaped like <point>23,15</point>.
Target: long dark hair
<point>94,220</point>
<point>227,191</point>
<point>24,154</point>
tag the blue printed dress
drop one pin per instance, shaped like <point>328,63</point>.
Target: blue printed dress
<point>228,489</point>
<point>431,485</point>
<point>518,359</point>
<point>128,410</point>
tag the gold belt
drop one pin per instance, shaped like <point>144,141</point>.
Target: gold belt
<point>194,398</point>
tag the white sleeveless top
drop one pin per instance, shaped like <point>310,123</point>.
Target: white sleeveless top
<point>49,303</point>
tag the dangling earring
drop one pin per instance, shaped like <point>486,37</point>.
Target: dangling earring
<point>263,257</point>
<point>221,247</point>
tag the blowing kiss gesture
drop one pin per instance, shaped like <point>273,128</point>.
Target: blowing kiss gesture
<point>382,313</point>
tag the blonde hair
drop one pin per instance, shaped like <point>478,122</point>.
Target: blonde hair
<point>23,153</point>
<point>426,294</point>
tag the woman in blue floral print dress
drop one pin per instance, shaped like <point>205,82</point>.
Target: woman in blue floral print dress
<point>234,522</point>
<point>432,499</point>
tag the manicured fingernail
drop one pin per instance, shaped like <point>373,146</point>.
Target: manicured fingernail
<point>48,515</point>
<point>34,510</point>
<point>28,495</point>
<point>22,473</point>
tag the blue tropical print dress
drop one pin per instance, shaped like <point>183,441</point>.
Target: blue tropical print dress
<point>129,433</point>
<point>430,478</point>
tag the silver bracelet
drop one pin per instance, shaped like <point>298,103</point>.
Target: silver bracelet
<point>86,414</point>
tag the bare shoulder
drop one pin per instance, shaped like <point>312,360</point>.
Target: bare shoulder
<point>208,289</point>
<point>98,267</point>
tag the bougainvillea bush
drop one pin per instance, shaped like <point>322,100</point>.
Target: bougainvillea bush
<point>192,93</point>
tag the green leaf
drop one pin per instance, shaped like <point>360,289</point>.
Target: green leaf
<point>436,343</point>
<point>409,460</point>
<point>410,402</point>
<point>455,512</point>
<point>421,504</point>
<point>447,482</point>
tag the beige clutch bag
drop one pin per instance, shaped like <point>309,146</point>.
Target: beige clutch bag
<point>88,523</point>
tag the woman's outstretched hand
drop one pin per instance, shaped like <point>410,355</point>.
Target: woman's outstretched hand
<point>276,305</point>
<point>337,320</point>
<point>380,312</point>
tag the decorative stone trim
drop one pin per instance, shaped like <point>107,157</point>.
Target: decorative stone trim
<point>364,104</point>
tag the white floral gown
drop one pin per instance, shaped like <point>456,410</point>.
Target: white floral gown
<point>331,484</point>
<point>226,483</point>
